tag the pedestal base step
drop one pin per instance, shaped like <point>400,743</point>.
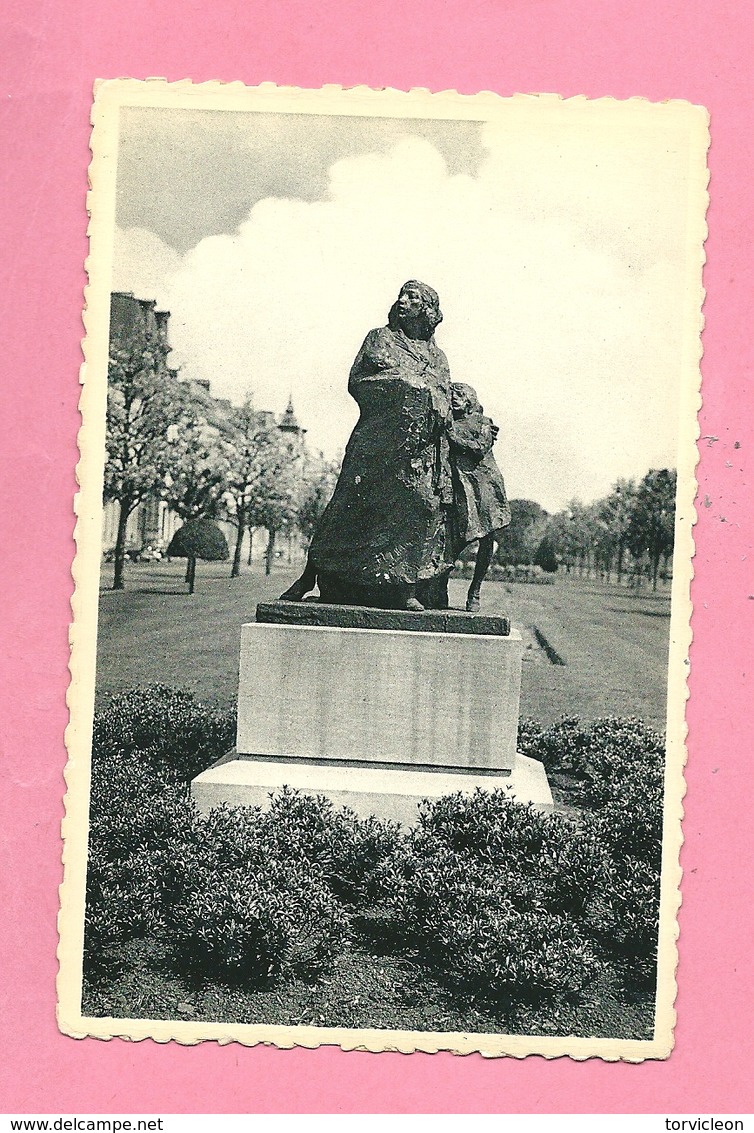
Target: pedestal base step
<point>387,792</point>
<point>367,617</point>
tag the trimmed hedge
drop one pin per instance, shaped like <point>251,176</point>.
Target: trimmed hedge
<point>170,730</point>
<point>508,903</point>
<point>493,892</point>
<point>605,757</point>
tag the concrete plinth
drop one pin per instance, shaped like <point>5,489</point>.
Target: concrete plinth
<point>395,696</point>
<point>390,792</point>
<point>375,716</point>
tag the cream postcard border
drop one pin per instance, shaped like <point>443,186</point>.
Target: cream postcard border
<point>109,96</point>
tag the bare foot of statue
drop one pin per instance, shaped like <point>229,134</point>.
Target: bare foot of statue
<point>301,587</point>
<point>410,601</point>
<point>472,603</point>
<point>296,592</point>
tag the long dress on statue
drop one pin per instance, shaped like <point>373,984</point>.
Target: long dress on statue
<point>481,503</point>
<point>388,523</point>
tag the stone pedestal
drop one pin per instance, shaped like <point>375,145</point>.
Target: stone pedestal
<point>375,718</point>
<point>392,792</point>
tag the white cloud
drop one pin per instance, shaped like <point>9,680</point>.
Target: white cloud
<point>561,306</point>
<point>144,264</point>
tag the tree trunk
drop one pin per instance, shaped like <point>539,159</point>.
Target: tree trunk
<point>120,545</point>
<point>270,553</point>
<point>191,569</point>
<point>236,568</point>
<point>187,575</point>
<point>251,545</point>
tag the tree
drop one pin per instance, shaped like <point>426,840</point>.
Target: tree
<point>276,497</point>
<point>652,525</point>
<point>318,484</point>
<point>545,556</point>
<point>522,537</point>
<point>198,539</point>
<point>614,513</point>
<point>196,481</point>
<point>253,449</point>
<point>264,481</point>
<point>143,400</point>
<point>195,484</point>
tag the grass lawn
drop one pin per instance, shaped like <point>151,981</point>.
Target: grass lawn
<point>613,641</point>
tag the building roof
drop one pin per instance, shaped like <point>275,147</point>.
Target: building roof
<point>289,422</point>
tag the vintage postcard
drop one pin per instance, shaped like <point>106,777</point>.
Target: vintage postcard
<point>384,556</point>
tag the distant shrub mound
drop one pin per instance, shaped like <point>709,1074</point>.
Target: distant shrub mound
<point>199,539</point>
<point>511,572</point>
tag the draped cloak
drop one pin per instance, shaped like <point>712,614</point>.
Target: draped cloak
<point>389,520</point>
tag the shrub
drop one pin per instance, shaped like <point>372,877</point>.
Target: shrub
<point>620,756</point>
<point>529,956</point>
<point>173,731</point>
<point>631,827</point>
<point>623,913</point>
<point>545,861</point>
<point>618,765</point>
<point>301,831</point>
<point>492,891</point>
<point>259,895</point>
<point>348,850</point>
<point>123,901</point>
<point>605,756</point>
<point>131,807</point>
<point>529,732</point>
<point>255,924</point>
<point>135,816</point>
<point>502,897</point>
<point>460,914</point>
<point>624,916</point>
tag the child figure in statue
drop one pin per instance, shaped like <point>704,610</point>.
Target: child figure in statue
<point>481,509</point>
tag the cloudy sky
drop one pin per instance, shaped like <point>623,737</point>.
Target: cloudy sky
<point>277,241</point>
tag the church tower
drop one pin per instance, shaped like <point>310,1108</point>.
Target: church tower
<point>293,432</point>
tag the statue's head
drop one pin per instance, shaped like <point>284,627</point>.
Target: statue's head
<point>416,310</point>
<point>463,399</point>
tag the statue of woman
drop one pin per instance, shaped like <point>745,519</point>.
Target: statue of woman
<point>385,539</point>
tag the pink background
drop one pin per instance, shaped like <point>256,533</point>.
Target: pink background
<point>51,51</point>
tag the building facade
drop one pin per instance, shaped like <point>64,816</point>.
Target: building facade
<point>152,524</point>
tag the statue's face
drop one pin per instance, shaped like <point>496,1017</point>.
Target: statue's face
<point>458,400</point>
<point>410,303</point>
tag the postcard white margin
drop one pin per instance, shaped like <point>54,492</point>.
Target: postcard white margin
<point>691,124</point>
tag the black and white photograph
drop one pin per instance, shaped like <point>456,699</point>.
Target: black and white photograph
<point>384,548</point>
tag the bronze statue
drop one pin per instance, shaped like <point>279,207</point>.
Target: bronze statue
<point>481,509</point>
<point>385,538</point>
<point>418,481</point>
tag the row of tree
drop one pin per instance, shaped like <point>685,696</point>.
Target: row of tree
<point>164,440</point>
<point>629,531</point>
